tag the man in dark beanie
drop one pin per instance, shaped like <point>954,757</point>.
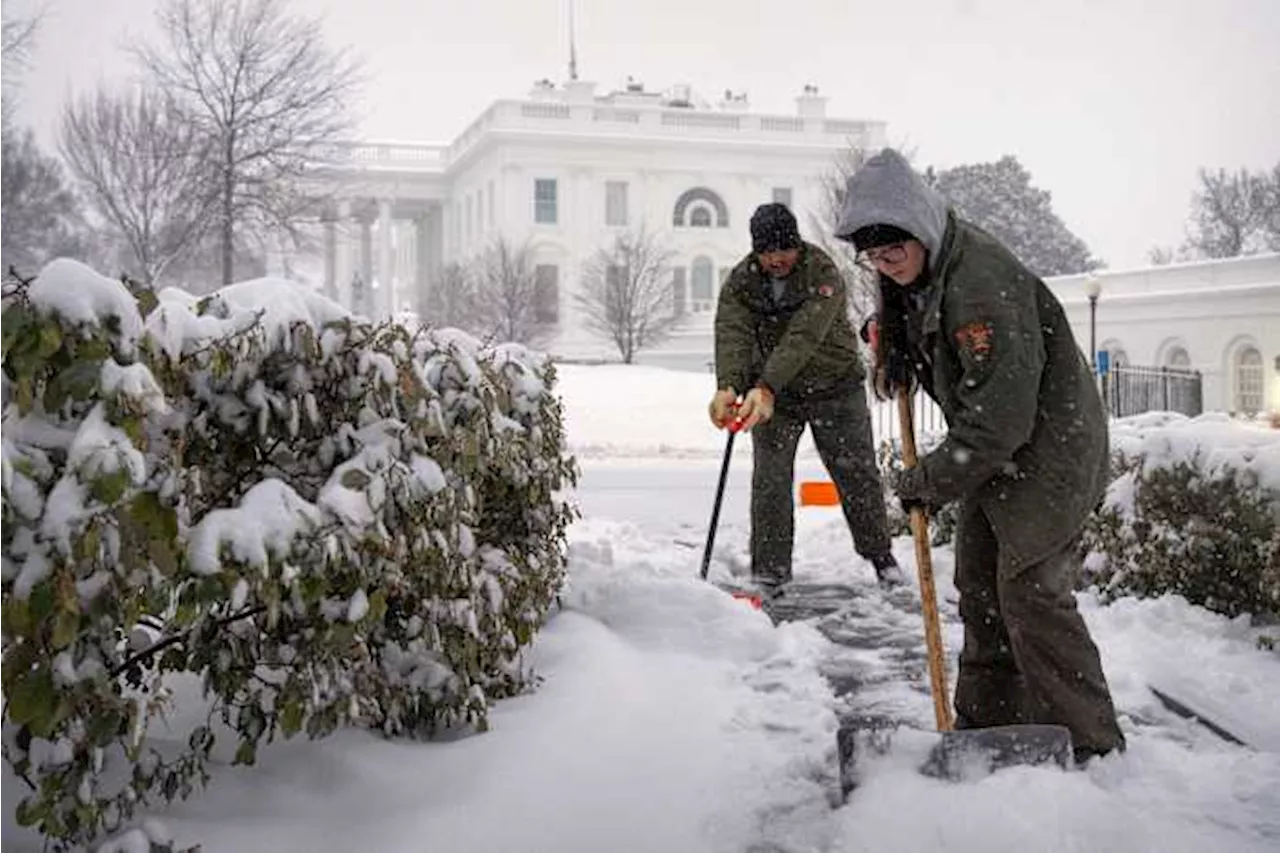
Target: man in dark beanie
<point>1026,450</point>
<point>787,357</point>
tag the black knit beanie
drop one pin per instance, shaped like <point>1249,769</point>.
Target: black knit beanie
<point>774,229</point>
<point>873,236</point>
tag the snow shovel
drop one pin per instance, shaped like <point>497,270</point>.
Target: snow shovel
<point>753,599</point>
<point>964,752</point>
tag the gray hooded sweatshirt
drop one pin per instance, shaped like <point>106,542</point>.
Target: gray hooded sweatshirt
<point>887,191</point>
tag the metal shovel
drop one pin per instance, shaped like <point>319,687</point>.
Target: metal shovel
<point>960,753</point>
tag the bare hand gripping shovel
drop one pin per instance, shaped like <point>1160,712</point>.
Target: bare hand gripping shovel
<point>966,752</point>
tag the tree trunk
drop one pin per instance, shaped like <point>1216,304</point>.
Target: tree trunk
<point>228,215</point>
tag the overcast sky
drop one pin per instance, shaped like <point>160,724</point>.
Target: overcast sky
<point>1111,104</point>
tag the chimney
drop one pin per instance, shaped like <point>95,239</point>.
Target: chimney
<point>810,104</point>
<point>735,102</point>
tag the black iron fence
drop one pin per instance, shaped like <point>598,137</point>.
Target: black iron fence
<point>1134,390</point>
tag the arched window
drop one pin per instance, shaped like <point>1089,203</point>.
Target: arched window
<point>1248,380</point>
<point>1177,356</point>
<point>702,286</point>
<point>697,198</point>
<point>700,216</point>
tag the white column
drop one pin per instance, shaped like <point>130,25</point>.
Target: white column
<point>422,262</point>
<point>330,256</point>
<point>342,265</point>
<point>360,298</point>
<point>384,303</point>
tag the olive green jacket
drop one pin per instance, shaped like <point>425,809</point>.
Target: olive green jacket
<point>799,345</point>
<point>1026,427</point>
<point>1027,431</point>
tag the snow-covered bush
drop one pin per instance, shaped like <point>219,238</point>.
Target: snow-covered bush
<point>329,522</point>
<point>1194,510</point>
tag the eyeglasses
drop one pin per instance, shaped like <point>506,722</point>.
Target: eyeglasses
<point>894,253</point>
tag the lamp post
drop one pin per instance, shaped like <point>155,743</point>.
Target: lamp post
<point>1093,289</point>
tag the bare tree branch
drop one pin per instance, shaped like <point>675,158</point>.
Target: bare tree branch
<point>18,40</point>
<point>507,294</point>
<point>269,98</point>
<point>861,285</point>
<point>626,293</point>
<point>142,167</point>
<point>1235,213</point>
<point>453,300</point>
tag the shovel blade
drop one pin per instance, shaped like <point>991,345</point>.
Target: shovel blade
<point>955,755</point>
<point>970,752</point>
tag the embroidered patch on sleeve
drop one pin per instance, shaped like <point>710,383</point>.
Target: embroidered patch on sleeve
<point>975,339</point>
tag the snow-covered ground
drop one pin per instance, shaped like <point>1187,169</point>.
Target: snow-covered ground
<point>673,718</point>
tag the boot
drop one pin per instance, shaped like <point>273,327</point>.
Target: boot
<point>888,572</point>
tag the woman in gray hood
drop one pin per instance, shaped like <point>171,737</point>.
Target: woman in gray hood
<point>1025,453</point>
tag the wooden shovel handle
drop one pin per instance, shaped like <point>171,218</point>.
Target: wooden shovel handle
<point>924,567</point>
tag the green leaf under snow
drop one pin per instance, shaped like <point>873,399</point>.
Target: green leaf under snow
<point>33,701</point>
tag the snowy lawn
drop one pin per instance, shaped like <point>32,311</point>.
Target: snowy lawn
<point>673,718</point>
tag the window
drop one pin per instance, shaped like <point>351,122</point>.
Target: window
<point>1248,381</point>
<point>679,291</point>
<point>681,216</point>
<point>702,286</point>
<point>493,214</point>
<point>544,201</point>
<point>467,226</point>
<point>1177,357</point>
<point>700,216</point>
<point>615,203</point>
<point>546,293</point>
<point>782,195</point>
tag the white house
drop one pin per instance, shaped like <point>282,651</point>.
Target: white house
<point>565,169</point>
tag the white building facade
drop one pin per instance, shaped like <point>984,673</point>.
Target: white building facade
<point>1220,318</point>
<point>566,170</point>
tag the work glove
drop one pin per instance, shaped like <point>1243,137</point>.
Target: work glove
<point>756,408</point>
<point>723,406</point>
<point>912,491</point>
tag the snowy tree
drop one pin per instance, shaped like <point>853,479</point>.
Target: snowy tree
<point>267,96</point>
<point>142,165</point>
<point>626,293</point>
<point>1000,198</point>
<point>41,214</point>
<point>1235,213</point>
<point>1160,256</point>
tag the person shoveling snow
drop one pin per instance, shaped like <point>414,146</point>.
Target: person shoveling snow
<point>1025,454</point>
<point>786,358</point>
